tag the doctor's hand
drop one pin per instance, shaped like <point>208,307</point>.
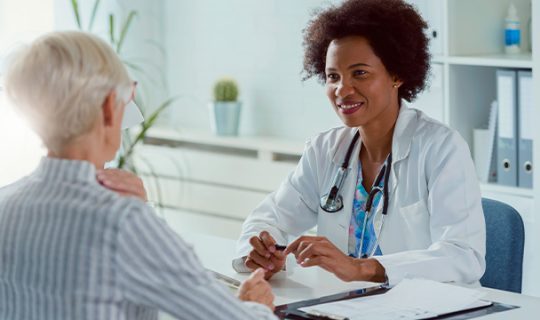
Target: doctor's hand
<point>122,182</point>
<point>319,251</point>
<point>256,289</point>
<point>264,255</point>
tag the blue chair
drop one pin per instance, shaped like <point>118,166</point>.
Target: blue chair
<point>505,237</point>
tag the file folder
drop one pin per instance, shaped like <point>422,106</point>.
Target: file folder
<point>525,128</point>
<point>507,173</point>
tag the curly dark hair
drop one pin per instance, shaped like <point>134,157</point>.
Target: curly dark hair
<point>393,28</point>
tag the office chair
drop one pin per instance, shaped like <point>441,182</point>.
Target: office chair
<point>505,237</point>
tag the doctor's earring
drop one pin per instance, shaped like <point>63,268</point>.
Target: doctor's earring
<point>395,85</point>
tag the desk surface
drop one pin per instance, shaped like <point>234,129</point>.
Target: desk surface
<point>307,283</point>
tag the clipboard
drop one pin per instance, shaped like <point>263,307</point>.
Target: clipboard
<point>290,311</point>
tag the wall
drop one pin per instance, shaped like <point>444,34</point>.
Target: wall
<point>20,22</point>
<point>257,42</point>
<point>23,20</point>
<point>143,44</point>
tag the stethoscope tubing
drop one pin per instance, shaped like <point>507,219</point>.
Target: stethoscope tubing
<point>333,197</point>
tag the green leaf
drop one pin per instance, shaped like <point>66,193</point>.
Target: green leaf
<point>93,16</point>
<point>111,29</point>
<point>75,6</point>
<point>125,29</point>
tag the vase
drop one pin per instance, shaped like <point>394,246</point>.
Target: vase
<point>225,118</point>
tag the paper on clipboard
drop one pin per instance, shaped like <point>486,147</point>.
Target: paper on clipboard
<point>410,299</point>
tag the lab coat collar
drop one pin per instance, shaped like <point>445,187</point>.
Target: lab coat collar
<point>403,133</point>
<point>401,141</point>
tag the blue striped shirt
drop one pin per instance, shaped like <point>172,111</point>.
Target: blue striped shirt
<point>71,249</point>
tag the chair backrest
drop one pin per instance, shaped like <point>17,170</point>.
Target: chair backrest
<point>505,237</point>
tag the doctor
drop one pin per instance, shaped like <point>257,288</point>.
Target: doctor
<point>392,193</point>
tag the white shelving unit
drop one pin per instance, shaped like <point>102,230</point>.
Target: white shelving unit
<point>467,52</point>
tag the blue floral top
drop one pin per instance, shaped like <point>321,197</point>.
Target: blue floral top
<point>357,220</point>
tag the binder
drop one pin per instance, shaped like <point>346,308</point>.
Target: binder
<point>485,148</point>
<point>507,173</point>
<point>525,128</point>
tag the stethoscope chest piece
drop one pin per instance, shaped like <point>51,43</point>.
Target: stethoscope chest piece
<point>333,201</point>
<point>331,204</point>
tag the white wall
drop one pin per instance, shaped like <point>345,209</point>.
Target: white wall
<point>20,22</point>
<point>257,42</point>
<point>143,45</point>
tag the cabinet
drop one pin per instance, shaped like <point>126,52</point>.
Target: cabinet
<point>467,51</point>
<point>210,184</point>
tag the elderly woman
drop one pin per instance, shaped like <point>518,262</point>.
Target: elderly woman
<point>69,247</point>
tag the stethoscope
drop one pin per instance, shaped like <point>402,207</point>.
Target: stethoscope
<point>333,202</point>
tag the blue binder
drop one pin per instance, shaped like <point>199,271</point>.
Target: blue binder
<point>507,173</point>
<point>526,124</point>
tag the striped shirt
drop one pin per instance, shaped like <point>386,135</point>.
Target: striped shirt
<point>71,249</point>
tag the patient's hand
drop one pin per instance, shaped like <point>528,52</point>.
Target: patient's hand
<point>122,182</point>
<point>256,289</point>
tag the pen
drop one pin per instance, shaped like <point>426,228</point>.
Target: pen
<point>280,247</point>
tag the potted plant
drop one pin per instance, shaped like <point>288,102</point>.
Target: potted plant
<point>117,36</point>
<point>225,109</point>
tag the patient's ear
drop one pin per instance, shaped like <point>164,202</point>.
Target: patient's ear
<point>109,107</point>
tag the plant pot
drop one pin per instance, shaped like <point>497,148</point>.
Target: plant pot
<point>225,118</point>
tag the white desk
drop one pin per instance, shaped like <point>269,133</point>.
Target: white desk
<point>217,253</point>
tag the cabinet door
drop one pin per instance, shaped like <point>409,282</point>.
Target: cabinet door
<point>431,101</point>
<point>432,12</point>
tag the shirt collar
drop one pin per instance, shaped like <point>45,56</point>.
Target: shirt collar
<point>65,170</point>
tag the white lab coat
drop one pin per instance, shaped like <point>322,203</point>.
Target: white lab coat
<point>435,226</point>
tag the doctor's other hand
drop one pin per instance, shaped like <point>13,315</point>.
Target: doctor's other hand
<point>319,251</point>
<point>122,182</point>
<point>264,255</point>
<point>256,289</point>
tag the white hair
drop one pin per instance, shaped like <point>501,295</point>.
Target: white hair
<point>60,81</point>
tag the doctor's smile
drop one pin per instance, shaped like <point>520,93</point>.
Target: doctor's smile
<point>349,107</point>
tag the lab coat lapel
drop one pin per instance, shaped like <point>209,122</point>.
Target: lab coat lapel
<point>337,231</point>
<point>401,146</point>
<point>349,187</point>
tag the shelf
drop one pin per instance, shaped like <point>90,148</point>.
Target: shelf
<point>523,60</point>
<point>438,59</point>
<point>259,144</point>
<point>512,191</point>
